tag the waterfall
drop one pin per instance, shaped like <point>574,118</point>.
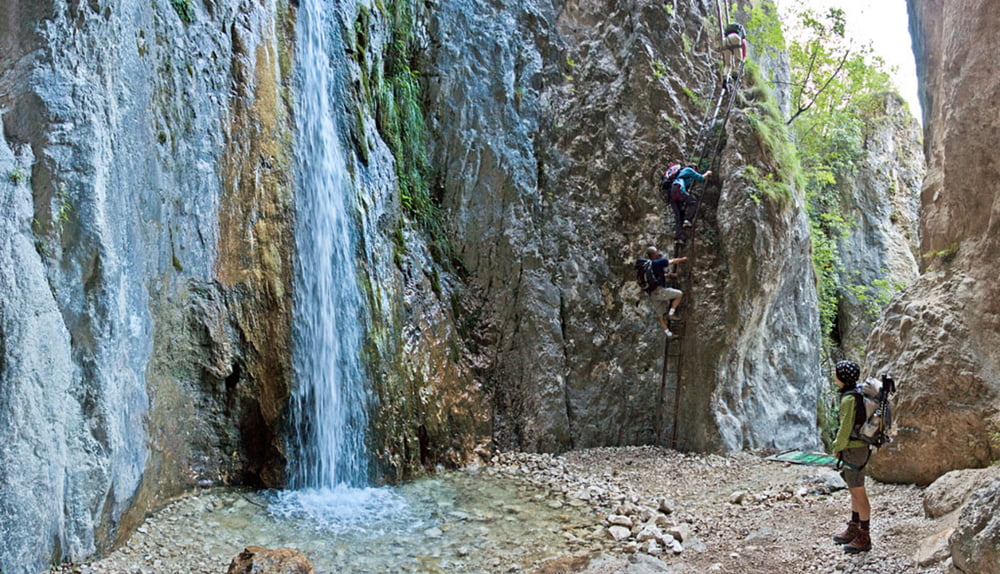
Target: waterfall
<point>329,403</point>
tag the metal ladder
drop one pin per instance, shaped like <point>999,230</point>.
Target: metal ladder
<point>672,378</point>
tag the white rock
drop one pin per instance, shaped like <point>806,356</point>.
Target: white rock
<point>682,532</point>
<point>652,547</point>
<point>737,497</point>
<point>649,532</point>
<point>666,506</point>
<point>620,520</point>
<point>619,532</point>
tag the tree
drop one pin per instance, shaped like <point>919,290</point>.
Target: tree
<point>827,72</point>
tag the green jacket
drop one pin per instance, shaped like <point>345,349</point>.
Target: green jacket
<point>848,401</point>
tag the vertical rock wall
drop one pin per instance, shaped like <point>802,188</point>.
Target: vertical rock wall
<point>940,339</point>
<point>880,200</point>
<point>552,123</point>
<point>146,272</point>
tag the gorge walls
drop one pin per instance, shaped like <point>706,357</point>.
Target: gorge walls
<point>144,310</point>
<point>552,123</point>
<point>146,270</point>
<point>940,338</point>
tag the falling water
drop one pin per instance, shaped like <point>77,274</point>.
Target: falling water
<point>329,403</point>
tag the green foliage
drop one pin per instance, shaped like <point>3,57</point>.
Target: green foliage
<point>828,73</point>
<point>834,86</point>
<point>826,265</point>
<point>826,415</point>
<point>944,256</point>
<point>400,119</point>
<point>184,9</point>
<point>63,210</point>
<point>659,69</point>
<point>995,445</point>
<point>765,118</point>
<point>675,124</point>
<point>874,296</point>
<point>18,175</point>
<point>697,100</point>
<point>60,216</point>
<point>764,30</point>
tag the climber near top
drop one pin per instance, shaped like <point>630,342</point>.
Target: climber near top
<point>734,48</point>
<point>676,184</point>
<point>662,299</point>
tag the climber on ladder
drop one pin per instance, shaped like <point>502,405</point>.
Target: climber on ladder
<point>734,51</point>
<point>676,185</point>
<point>652,278</point>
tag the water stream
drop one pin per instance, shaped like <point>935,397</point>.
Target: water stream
<point>468,521</point>
<point>329,404</point>
<point>328,463</point>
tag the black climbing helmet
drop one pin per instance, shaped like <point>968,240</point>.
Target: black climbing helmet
<point>848,372</point>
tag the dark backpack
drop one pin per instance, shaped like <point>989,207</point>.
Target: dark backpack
<point>735,28</point>
<point>644,275</point>
<point>872,398</point>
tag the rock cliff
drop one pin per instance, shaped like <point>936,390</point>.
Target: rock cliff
<point>940,337</point>
<point>880,198</point>
<point>146,262</point>
<point>551,124</point>
<point>147,240</point>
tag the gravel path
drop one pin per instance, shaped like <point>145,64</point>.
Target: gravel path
<point>672,512</point>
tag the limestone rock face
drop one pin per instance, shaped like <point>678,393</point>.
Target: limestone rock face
<point>144,309</point>
<point>881,200</point>
<point>553,122</point>
<point>941,337</point>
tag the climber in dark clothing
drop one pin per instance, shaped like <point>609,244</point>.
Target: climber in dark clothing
<point>682,201</point>
<point>663,300</point>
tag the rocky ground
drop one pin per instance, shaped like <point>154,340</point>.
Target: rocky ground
<point>650,510</point>
<point>745,514</point>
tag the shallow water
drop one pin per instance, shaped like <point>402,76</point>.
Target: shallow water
<point>463,521</point>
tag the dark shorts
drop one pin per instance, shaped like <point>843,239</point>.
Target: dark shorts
<point>856,457</point>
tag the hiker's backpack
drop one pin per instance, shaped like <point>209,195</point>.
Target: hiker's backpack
<point>735,28</point>
<point>874,395</point>
<point>644,275</point>
<point>668,178</point>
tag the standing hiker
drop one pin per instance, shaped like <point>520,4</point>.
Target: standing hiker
<point>662,299</point>
<point>854,454</point>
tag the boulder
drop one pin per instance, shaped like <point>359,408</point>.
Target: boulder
<point>975,545</point>
<point>258,560</point>
<point>953,489</point>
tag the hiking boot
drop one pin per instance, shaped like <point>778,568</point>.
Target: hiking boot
<point>853,528</point>
<point>668,333</point>
<point>861,543</point>
<point>686,223</point>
